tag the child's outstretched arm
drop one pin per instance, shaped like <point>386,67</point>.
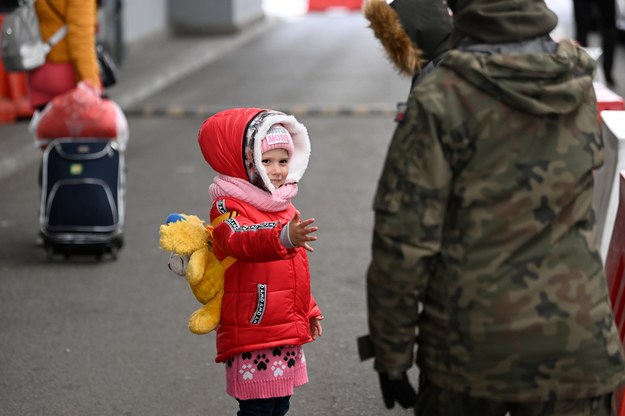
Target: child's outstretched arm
<point>299,231</point>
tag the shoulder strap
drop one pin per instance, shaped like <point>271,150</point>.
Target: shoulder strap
<point>223,217</point>
<point>229,260</point>
<point>59,34</point>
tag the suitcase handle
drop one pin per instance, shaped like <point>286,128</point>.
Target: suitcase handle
<point>86,153</point>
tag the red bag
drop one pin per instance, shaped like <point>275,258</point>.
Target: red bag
<point>80,113</point>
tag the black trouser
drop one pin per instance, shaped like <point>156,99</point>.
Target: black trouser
<point>277,406</point>
<point>583,11</point>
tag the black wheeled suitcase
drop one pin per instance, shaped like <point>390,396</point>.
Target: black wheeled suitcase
<point>82,197</point>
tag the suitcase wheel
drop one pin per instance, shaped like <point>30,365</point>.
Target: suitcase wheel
<point>67,251</point>
<point>49,252</point>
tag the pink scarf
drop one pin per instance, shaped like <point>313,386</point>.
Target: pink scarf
<point>228,186</point>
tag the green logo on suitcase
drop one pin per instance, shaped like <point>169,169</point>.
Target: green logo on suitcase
<point>75,169</point>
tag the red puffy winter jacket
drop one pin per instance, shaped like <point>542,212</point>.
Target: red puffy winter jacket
<point>267,300</point>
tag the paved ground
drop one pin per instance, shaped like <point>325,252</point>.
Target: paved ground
<point>153,65</point>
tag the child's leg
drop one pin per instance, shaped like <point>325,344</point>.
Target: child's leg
<point>277,406</point>
<point>281,406</point>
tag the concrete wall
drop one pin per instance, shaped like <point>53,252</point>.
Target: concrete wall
<point>127,22</point>
<point>142,18</point>
<point>123,22</point>
<point>198,17</point>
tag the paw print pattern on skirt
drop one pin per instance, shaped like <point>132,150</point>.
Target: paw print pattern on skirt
<point>261,362</point>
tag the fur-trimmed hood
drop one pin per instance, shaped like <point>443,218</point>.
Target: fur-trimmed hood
<point>412,32</point>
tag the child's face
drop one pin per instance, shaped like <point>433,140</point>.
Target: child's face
<point>276,163</point>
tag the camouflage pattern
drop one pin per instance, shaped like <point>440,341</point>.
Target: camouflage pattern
<point>433,401</point>
<point>483,214</point>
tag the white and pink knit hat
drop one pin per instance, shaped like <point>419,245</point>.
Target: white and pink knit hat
<point>278,137</point>
<point>292,136</point>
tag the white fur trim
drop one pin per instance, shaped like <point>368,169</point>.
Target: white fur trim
<point>301,145</point>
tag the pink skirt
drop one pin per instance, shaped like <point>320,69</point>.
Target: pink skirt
<point>48,81</point>
<point>263,374</point>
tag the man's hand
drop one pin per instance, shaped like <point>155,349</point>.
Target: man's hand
<point>397,388</point>
<point>299,231</point>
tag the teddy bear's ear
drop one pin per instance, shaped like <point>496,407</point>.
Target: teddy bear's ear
<point>183,237</point>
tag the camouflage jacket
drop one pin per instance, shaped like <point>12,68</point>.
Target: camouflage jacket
<point>483,214</point>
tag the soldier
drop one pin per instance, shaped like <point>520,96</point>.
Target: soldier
<point>484,234</point>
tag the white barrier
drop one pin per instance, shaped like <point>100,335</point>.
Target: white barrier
<point>605,198</point>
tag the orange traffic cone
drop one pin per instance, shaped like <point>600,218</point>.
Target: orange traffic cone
<point>19,95</point>
<point>8,112</point>
<point>14,100</point>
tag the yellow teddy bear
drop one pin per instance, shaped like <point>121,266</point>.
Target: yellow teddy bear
<point>189,240</point>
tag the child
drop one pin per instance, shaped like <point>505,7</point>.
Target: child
<point>268,312</point>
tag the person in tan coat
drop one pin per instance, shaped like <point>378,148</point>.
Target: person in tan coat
<point>73,59</point>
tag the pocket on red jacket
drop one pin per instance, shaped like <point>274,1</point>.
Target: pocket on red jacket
<point>261,304</point>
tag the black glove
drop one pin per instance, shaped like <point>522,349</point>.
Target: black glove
<point>397,388</point>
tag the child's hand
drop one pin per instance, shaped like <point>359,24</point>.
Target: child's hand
<point>299,231</point>
<point>315,327</point>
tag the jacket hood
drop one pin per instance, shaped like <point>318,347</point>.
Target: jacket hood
<point>501,21</point>
<point>535,83</point>
<point>412,32</point>
<point>230,142</point>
